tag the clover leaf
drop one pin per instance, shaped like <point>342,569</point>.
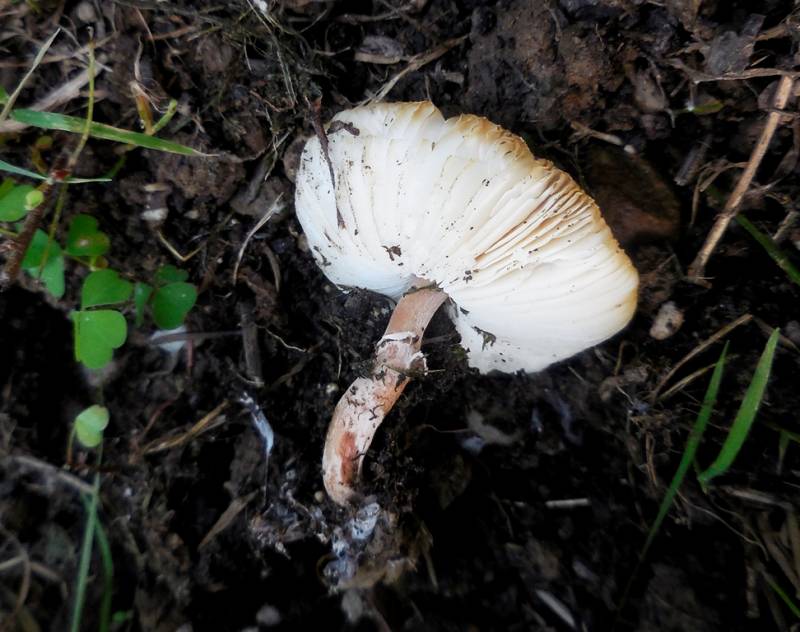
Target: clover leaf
<point>17,200</point>
<point>97,333</point>
<point>89,425</point>
<point>104,287</point>
<point>170,274</point>
<point>44,260</point>
<point>83,238</point>
<point>141,294</point>
<point>171,303</point>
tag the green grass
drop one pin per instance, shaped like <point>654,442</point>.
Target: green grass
<point>27,173</point>
<point>10,99</point>
<point>65,123</point>
<point>689,452</point>
<point>98,332</point>
<point>107,562</point>
<point>737,435</point>
<point>82,580</point>
<point>746,415</point>
<point>108,576</point>
<point>771,248</point>
<point>784,596</point>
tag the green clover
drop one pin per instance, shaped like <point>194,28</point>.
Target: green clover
<point>89,425</point>
<point>97,333</point>
<point>44,260</point>
<point>171,303</point>
<point>17,200</point>
<point>83,238</point>
<point>104,287</point>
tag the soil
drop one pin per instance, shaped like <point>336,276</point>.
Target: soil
<point>500,502</point>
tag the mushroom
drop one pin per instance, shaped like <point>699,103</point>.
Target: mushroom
<point>396,199</point>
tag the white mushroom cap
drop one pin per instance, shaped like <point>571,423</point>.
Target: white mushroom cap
<point>533,271</point>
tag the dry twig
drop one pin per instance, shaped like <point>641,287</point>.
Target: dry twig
<point>25,582</point>
<point>227,517</point>
<point>718,335</point>
<point>415,63</point>
<point>698,76</point>
<point>206,423</point>
<point>276,207</point>
<point>698,266</point>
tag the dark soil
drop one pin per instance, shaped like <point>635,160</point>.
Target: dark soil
<point>470,534</point>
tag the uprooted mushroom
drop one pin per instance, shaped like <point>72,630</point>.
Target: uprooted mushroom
<point>427,210</point>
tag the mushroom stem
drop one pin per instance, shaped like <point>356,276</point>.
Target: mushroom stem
<point>369,399</point>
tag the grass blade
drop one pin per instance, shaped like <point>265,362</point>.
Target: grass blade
<point>107,561</point>
<point>745,416</point>
<point>692,443</point>
<point>36,61</point>
<point>72,180</point>
<point>108,577</point>
<point>772,249</point>
<point>86,556</point>
<point>19,171</point>
<point>790,436</point>
<point>64,123</point>
<point>783,595</point>
<point>87,125</point>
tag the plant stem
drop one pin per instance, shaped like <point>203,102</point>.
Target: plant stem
<point>86,556</point>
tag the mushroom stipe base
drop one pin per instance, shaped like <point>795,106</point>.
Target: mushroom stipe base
<point>368,400</point>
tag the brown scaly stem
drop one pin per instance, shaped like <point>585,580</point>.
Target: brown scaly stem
<point>19,245</point>
<point>369,399</point>
<point>63,167</point>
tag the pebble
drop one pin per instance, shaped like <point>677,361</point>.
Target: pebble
<point>268,616</point>
<point>155,215</point>
<point>86,13</point>
<point>667,322</point>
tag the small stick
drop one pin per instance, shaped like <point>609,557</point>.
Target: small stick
<point>252,354</point>
<point>582,130</point>
<point>697,268</point>
<point>19,245</point>
<point>65,92</point>
<point>698,76</point>
<point>567,503</point>
<point>275,207</point>
<point>785,227</point>
<point>414,64</point>
<point>744,318</point>
<point>65,165</point>
<point>694,159</point>
<point>206,423</point>
<point>12,98</point>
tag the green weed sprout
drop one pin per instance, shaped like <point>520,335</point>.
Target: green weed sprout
<point>90,424</point>
<point>746,415</point>
<point>99,326</point>
<point>99,331</point>
<point>17,199</point>
<point>170,298</point>
<point>770,247</point>
<point>740,429</point>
